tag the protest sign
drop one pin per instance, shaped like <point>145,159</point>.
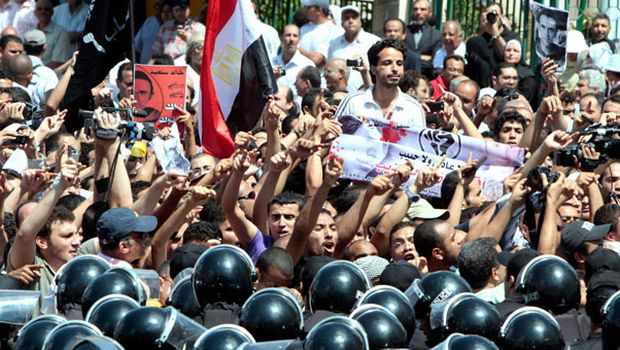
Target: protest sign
<point>371,147</point>
<point>551,25</point>
<point>158,89</point>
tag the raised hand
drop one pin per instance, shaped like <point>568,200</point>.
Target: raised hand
<point>333,171</point>
<point>380,185</point>
<point>280,161</point>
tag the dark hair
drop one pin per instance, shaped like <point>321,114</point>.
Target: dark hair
<point>598,96</point>
<point>70,201</point>
<point>162,60</point>
<point>34,50</point>
<point>201,231</point>
<point>212,212</point>
<point>477,260</point>
<point>59,213</point>
<point>395,19</point>
<point>509,116</point>
<point>399,226</point>
<point>448,186</point>
<point>287,124</point>
<point>310,97</point>
<point>612,99</point>
<point>287,197</point>
<point>608,214</point>
<point>312,74</point>
<point>345,199</point>
<point>518,261</point>
<point>454,57</point>
<point>139,186</point>
<point>276,258</point>
<point>375,50</point>
<point>503,65</point>
<point>141,75</point>
<point>90,218</point>
<point>6,39</point>
<point>127,66</point>
<point>596,301</point>
<point>410,80</point>
<point>426,237</point>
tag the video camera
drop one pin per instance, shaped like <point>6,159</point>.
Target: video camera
<point>602,140</point>
<point>133,130</point>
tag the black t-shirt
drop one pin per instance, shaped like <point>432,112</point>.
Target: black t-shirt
<point>312,318</point>
<point>483,57</point>
<point>220,313</point>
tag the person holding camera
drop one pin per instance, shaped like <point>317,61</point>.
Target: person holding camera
<point>486,50</point>
<point>353,46</point>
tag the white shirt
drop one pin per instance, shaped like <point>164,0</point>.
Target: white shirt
<point>71,22</point>
<point>406,112</point>
<point>25,20</point>
<point>271,39</point>
<point>316,37</point>
<point>43,81</point>
<point>292,68</point>
<point>7,14</point>
<point>441,55</point>
<point>339,47</point>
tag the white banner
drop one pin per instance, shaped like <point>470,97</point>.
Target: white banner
<point>371,147</point>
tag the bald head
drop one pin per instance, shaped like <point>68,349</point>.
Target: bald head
<point>451,36</point>
<point>18,68</point>
<point>336,74</point>
<point>10,30</point>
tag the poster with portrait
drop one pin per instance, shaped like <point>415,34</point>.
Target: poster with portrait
<point>550,31</point>
<point>157,90</point>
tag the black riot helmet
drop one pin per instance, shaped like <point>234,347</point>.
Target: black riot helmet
<point>549,282</point>
<point>32,335</point>
<point>530,328</point>
<point>611,322</point>
<point>151,328</point>
<point>183,299</point>
<point>337,332</point>
<point>68,334</point>
<point>97,343</point>
<point>336,287</point>
<point>223,337</point>
<point>458,341</point>
<point>73,278</point>
<point>224,273</point>
<point>435,288</point>
<point>465,313</point>
<point>383,329</point>
<point>108,311</point>
<point>395,301</point>
<point>272,314</point>
<point>116,280</point>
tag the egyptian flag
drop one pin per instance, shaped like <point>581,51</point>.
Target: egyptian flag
<point>106,40</point>
<point>236,76</point>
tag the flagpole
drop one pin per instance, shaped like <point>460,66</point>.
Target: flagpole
<point>132,30</point>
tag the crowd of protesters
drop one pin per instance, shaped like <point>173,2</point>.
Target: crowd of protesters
<point>547,249</point>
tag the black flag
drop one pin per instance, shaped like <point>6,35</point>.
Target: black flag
<point>106,40</point>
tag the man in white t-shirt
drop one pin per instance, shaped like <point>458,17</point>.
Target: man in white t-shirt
<point>384,101</point>
<point>353,44</point>
<point>316,34</point>
<point>290,62</point>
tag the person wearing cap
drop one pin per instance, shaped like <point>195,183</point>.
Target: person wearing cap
<point>580,238</point>
<point>148,32</point>
<point>44,79</point>
<point>482,264</point>
<point>48,237</point>
<point>373,267</point>
<point>173,35</point>
<point>599,31</point>
<point>353,45</point>
<point>58,41</point>
<point>72,17</point>
<point>317,33</point>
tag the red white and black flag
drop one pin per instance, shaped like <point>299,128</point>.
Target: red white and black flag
<point>106,41</point>
<point>236,75</point>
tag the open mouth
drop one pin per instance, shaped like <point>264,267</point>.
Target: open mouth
<point>409,256</point>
